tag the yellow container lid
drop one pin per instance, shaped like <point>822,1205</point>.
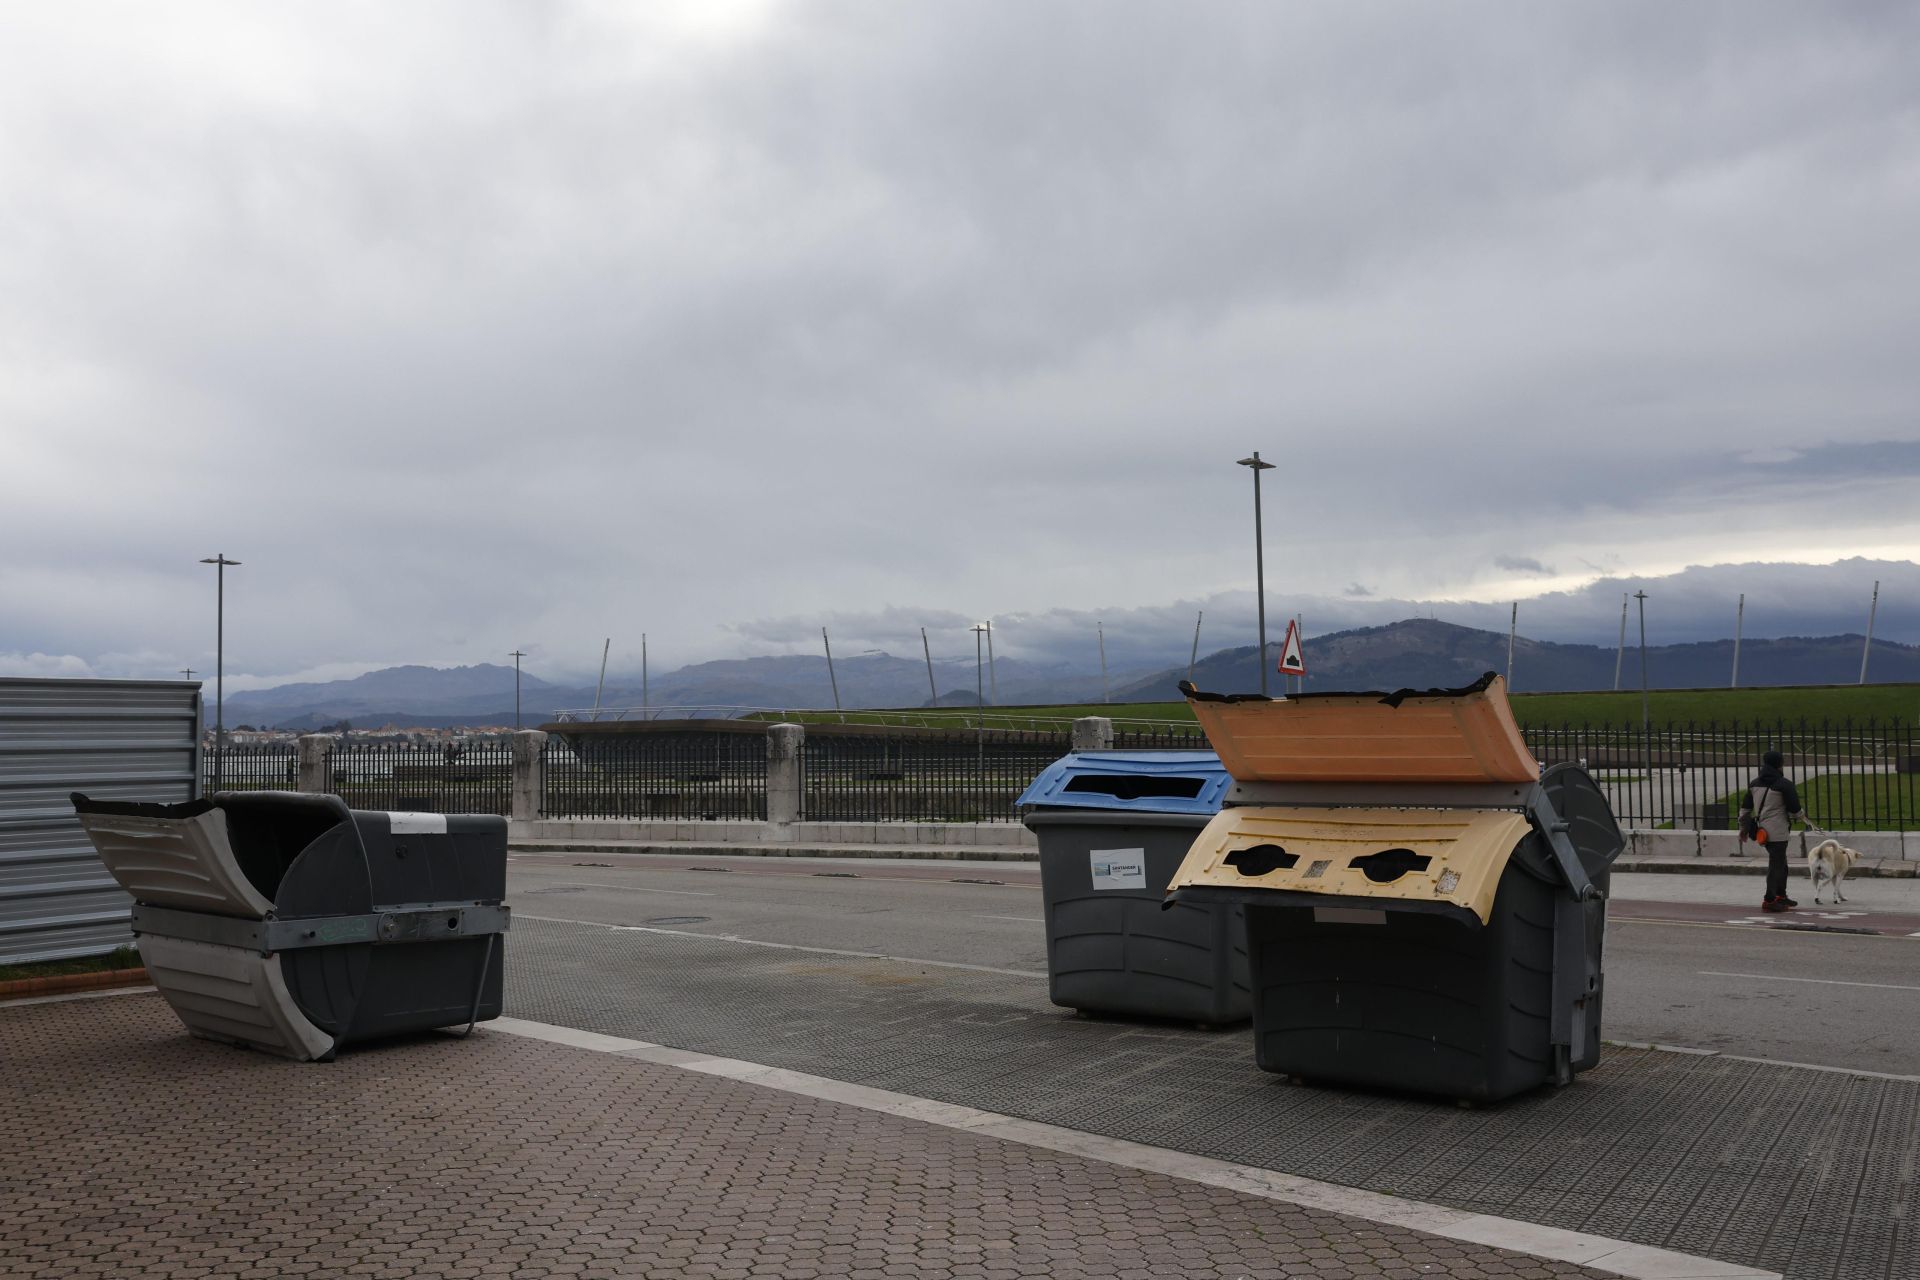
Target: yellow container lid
<point>1450,856</point>
<point>1441,735</point>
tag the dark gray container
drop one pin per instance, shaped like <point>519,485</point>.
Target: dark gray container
<point>1420,995</point>
<point>1111,948</point>
<point>293,924</point>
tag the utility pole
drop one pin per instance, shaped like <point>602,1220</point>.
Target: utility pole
<point>993,674</point>
<point>979,689</point>
<point>219,664</point>
<point>1867,651</point>
<point>1619,655</point>
<point>1195,655</point>
<point>1646,715</point>
<point>1106,691</point>
<point>1739,624</point>
<point>1259,558</point>
<point>646,699</point>
<point>830,676</point>
<point>601,687</point>
<point>1513,624</point>
<point>516,655</point>
<point>927,649</point>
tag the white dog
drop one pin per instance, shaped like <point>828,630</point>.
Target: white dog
<point>1830,861</point>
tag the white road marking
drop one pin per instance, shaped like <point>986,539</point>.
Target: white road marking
<point>1600,1253</point>
<point>1825,982</point>
<point>631,888</point>
<point>783,946</point>
<point>1021,919</point>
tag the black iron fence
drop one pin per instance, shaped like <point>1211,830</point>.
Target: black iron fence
<point>1852,776</point>
<point>960,777</point>
<point>684,775</point>
<point>252,767</point>
<point>474,777</point>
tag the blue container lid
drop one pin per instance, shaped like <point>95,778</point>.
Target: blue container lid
<point>1143,781</point>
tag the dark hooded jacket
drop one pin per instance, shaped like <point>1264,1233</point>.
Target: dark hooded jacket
<point>1774,800</point>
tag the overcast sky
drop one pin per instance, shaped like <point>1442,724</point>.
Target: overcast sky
<point>474,326</point>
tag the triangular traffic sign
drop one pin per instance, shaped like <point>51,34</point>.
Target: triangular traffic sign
<point>1292,663</point>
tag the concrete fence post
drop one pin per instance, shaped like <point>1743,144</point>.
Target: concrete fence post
<point>314,750</point>
<point>529,787</point>
<point>785,804</point>
<point>1093,733</point>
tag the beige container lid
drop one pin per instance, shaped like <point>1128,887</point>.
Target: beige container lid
<point>1451,856</point>
<point>1467,735</point>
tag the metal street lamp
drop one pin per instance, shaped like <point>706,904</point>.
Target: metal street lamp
<point>220,562</point>
<point>1259,557</point>
<point>516,655</point>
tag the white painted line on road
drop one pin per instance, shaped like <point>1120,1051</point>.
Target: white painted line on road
<point>1825,982</point>
<point>630,888</point>
<point>77,995</point>
<point>1021,919</point>
<point>1765,1062</point>
<point>1617,1257</point>
<point>783,946</point>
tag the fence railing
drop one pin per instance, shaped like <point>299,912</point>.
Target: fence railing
<point>689,775</point>
<point>1852,776</point>
<point>476,777</point>
<point>972,777</point>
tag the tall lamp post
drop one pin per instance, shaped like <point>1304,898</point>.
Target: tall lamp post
<point>1259,557</point>
<point>220,563</point>
<point>1646,712</point>
<point>516,655</point>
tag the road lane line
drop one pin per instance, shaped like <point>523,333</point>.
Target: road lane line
<point>627,888</point>
<point>782,946</point>
<point>1825,982</point>
<point>1600,1253</point>
<point>1021,919</point>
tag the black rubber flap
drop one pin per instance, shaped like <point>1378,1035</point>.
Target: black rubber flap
<point>140,808</point>
<point>1393,699</point>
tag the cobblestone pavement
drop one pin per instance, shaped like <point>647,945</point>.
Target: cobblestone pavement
<point>1809,1173</point>
<point>129,1149</point>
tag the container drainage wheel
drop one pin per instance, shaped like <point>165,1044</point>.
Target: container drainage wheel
<point>1261,859</point>
<point>673,920</point>
<point>1389,865</point>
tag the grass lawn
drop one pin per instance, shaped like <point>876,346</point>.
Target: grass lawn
<point>1853,801</point>
<point>118,958</point>
<point>1896,703</point>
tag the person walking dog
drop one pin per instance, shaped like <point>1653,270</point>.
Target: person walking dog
<point>1766,816</point>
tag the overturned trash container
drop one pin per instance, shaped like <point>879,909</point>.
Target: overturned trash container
<point>1113,826</point>
<point>1425,908</point>
<point>293,924</point>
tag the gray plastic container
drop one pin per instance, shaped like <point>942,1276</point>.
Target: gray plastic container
<point>293,924</point>
<point>1110,947</point>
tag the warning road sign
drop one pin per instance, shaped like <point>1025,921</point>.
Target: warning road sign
<point>1291,661</point>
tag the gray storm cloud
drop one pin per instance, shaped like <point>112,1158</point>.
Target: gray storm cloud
<point>485,326</point>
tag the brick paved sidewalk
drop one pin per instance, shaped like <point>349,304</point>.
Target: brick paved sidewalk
<point>129,1149</point>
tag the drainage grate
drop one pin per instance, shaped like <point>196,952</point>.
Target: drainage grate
<point>679,919</point>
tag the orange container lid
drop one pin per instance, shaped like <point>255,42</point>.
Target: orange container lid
<point>1433,735</point>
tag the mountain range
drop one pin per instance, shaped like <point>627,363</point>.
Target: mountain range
<point>1416,652</point>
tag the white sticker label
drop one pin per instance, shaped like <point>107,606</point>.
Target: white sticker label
<point>417,824</point>
<point>1119,868</point>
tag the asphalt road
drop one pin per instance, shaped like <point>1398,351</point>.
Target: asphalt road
<point>1688,962</point>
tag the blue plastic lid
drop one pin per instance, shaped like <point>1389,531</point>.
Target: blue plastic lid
<point>1143,781</point>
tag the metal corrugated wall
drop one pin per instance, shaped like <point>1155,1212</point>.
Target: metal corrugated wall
<point>116,739</point>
